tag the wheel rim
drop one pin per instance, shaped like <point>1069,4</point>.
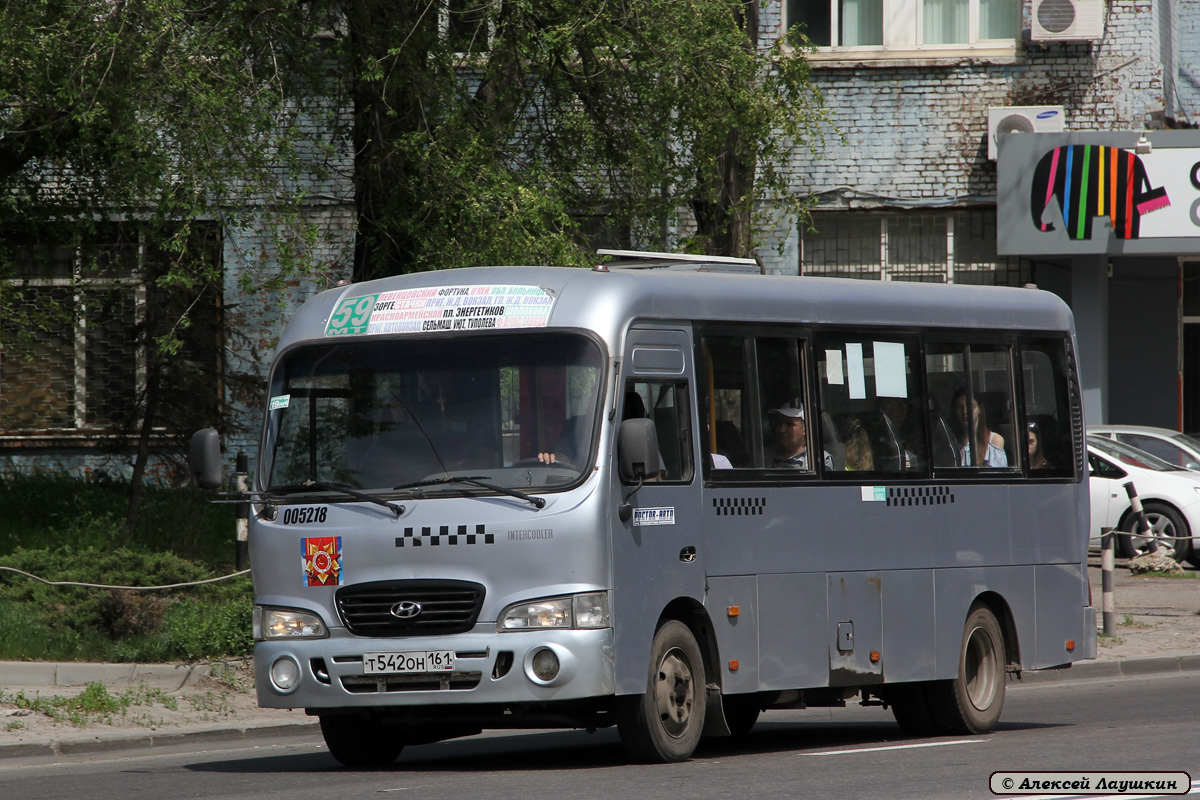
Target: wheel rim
<point>981,671</point>
<point>674,692</point>
<point>1160,529</point>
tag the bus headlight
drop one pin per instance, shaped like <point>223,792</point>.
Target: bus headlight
<point>287,623</point>
<point>570,611</point>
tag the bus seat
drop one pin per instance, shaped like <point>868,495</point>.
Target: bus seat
<point>886,448</point>
<point>945,450</point>
<point>831,442</point>
<point>666,423</point>
<point>731,444</point>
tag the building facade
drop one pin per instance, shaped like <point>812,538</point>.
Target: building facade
<point>907,185</point>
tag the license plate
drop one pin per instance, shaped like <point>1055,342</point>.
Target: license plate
<point>411,661</point>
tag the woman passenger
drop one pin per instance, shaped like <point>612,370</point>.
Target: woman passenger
<point>980,446</point>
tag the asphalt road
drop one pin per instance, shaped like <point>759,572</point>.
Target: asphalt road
<point>1147,724</point>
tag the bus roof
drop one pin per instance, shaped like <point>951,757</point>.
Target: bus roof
<point>605,300</point>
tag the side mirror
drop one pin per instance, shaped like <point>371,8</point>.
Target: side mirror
<point>637,446</point>
<point>204,459</point>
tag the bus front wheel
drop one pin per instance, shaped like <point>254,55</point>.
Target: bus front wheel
<point>971,703</point>
<point>358,742</point>
<point>664,724</point>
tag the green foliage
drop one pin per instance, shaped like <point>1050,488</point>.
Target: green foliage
<point>45,511</point>
<point>578,112</point>
<point>196,630</point>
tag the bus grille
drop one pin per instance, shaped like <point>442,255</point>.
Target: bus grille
<point>370,609</point>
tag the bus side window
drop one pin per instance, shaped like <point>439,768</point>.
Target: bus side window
<point>867,388</point>
<point>1047,442</point>
<point>970,386</point>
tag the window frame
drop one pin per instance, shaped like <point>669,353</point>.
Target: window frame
<point>903,38</point>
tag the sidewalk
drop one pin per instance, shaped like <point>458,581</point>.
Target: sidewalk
<point>1157,631</point>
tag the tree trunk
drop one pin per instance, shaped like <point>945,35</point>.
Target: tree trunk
<point>724,223</point>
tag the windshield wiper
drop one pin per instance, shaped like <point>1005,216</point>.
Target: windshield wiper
<point>473,480</point>
<point>346,490</point>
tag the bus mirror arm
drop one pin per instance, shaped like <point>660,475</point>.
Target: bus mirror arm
<point>625,510</point>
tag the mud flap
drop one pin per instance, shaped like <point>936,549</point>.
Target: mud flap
<point>714,715</point>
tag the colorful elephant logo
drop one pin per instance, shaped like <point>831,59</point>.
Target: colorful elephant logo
<point>1094,181</point>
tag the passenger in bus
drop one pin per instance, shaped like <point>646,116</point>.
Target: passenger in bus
<point>568,445</point>
<point>790,450</point>
<point>980,446</point>
<point>858,446</point>
<point>1037,454</point>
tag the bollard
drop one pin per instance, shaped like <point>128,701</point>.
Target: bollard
<point>1143,527</point>
<point>1108,605</point>
<point>242,555</point>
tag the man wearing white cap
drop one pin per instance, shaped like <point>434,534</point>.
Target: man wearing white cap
<point>791,438</point>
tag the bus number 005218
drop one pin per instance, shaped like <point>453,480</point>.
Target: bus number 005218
<point>304,515</point>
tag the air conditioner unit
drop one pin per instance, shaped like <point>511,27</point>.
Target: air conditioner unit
<point>1004,120</point>
<point>1067,20</point>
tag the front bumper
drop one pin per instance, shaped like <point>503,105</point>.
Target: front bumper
<point>490,668</point>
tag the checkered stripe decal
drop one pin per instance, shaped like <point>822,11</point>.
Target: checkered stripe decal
<point>919,496</point>
<point>739,506</point>
<point>427,538</point>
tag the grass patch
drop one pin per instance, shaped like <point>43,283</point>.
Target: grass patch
<point>95,704</point>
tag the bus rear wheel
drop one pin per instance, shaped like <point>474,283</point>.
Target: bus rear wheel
<point>971,703</point>
<point>358,742</point>
<point>664,724</point>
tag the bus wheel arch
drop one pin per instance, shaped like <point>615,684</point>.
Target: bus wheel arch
<point>971,702</point>
<point>664,723</point>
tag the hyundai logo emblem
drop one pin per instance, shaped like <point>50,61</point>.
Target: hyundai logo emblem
<point>406,609</point>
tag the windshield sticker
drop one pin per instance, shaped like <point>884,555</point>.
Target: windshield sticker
<point>654,516</point>
<point>321,559</point>
<point>281,401</point>
<point>445,308</point>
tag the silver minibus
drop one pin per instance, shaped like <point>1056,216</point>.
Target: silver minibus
<point>664,494</point>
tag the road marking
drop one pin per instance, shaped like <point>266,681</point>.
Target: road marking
<point>894,747</point>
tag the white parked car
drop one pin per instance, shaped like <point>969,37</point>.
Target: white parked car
<point>1170,498</point>
<point>1171,446</point>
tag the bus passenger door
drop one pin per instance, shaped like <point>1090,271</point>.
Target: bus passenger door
<point>656,557</point>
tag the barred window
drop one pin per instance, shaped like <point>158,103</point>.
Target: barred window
<point>78,315</point>
<point>953,247</point>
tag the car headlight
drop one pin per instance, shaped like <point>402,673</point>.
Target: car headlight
<point>287,623</point>
<point>570,611</point>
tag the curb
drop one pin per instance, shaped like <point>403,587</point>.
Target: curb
<point>170,677</point>
<point>54,750</point>
<point>1113,669</point>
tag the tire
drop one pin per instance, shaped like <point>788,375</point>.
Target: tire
<point>358,742</point>
<point>971,703</point>
<point>664,724</point>
<point>1164,521</point>
<point>910,707</point>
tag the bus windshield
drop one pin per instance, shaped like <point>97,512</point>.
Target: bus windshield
<point>514,411</point>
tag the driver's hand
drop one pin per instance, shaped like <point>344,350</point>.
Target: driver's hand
<point>546,458</point>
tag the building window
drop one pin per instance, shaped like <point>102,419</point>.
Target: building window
<point>76,328</point>
<point>956,247</point>
<point>909,23</point>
